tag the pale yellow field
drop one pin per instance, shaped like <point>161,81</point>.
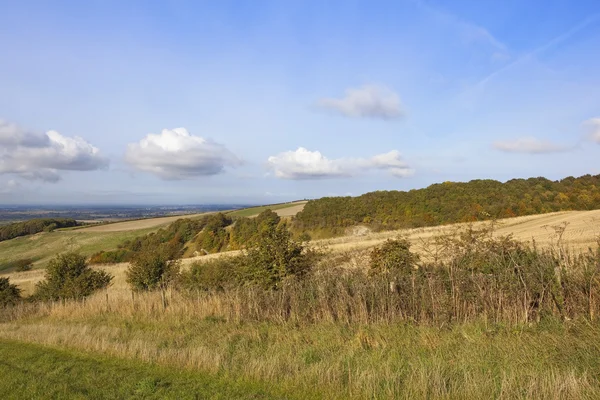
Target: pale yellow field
<point>581,230</point>
<point>291,211</point>
<point>138,224</point>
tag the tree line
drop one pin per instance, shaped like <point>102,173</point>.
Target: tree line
<point>449,202</point>
<point>33,226</point>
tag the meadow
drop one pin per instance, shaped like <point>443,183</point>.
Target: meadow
<point>334,335</point>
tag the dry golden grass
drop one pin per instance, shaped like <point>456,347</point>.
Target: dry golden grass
<point>138,224</point>
<point>291,211</point>
<point>582,229</point>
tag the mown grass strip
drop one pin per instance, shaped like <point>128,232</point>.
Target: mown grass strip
<point>37,372</point>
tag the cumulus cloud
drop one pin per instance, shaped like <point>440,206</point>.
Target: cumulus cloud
<point>593,126</point>
<point>369,101</point>
<point>306,164</point>
<point>176,154</point>
<point>530,145</point>
<point>42,157</point>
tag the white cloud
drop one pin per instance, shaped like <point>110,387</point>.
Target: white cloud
<point>42,157</point>
<point>593,126</point>
<point>175,154</point>
<point>530,145</point>
<point>369,101</point>
<point>306,164</point>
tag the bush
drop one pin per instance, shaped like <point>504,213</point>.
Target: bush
<point>217,274</point>
<point>111,257</point>
<point>9,294</point>
<point>21,265</point>
<point>275,257</point>
<point>152,270</point>
<point>393,257</point>
<point>68,276</point>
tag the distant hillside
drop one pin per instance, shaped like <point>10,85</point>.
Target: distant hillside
<point>32,226</point>
<point>450,202</point>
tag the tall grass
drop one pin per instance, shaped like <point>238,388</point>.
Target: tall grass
<point>477,317</point>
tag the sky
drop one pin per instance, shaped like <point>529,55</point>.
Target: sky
<point>175,102</point>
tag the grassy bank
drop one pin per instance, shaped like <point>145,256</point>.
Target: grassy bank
<point>547,360</point>
<point>36,372</point>
<point>43,246</point>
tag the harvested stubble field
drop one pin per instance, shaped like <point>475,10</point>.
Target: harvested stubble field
<point>138,224</point>
<point>581,230</point>
<point>283,210</point>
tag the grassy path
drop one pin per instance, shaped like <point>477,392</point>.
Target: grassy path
<point>31,371</point>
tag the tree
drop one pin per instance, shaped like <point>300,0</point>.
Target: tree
<point>393,257</point>
<point>152,270</point>
<point>68,276</point>
<point>275,257</point>
<point>9,294</point>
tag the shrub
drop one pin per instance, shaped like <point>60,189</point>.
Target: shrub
<point>275,257</point>
<point>24,264</point>
<point>111,257</point>
<point>152,270</point>
<point>217,274</point>
<point>68,276</point>
<point>393,257</point>
<point>9,294</point>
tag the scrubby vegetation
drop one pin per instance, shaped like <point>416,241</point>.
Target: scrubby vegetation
<point>69,277</point>
<point>273,258</point>
<point>169,241</point>
<point>33,226</point>
<point>210,234</point>
<point>19,265</point>
<point>449,202</point>
<point>472,315</point>
<point>152,270</point>
<point>9,294</point>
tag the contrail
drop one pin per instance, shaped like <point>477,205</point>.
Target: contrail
<point>557,40</point>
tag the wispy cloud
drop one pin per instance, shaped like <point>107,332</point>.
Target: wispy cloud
<point>469,31</point>
<point>368,101</point>
<point>530,145</point>
<point>593,127</point>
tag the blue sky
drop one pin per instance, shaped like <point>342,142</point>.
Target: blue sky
<point>269,101</point>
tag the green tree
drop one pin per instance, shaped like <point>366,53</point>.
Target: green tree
<point>152,270</point>
<point>68,276</point>
<point>9,294</point>
<point>393,257</point>
<point>275,257</point>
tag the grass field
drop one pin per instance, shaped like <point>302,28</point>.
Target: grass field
<point>36,372</point>
<point>283,210</point>
<point>550,360</point>
<point>43,246</point>
<point>202,344</point>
